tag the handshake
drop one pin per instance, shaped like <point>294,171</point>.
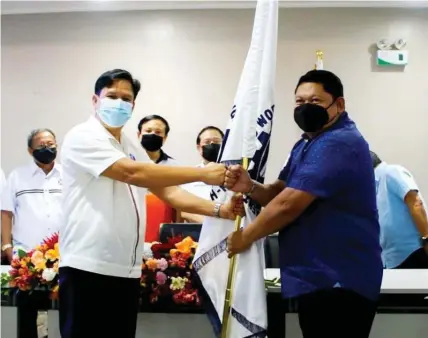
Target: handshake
<point>233,178</point>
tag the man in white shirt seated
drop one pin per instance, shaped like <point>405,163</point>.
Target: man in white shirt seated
<point>101,242</point>
<point>208,144</point>
<point>32,211</point>
<point>153,131</point>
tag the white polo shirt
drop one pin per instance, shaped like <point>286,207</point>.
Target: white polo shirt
<point>200,189</point>
<point>35,199</point>
<point>104,226</point>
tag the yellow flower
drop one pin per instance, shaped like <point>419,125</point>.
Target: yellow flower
<point>55,266</point>
<point>38,260</point>
<point>53,254</point>
<point>178,283</point>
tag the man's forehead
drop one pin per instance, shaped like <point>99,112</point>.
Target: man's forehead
<point>154,124</point>
<point>210,134</point>
<point>119,86</point>
<point>44,136</point>
<point>310,88</point>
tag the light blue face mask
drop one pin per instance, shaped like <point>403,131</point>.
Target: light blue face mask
<point>114,112</point>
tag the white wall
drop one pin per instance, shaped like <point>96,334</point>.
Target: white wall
<point>189,63</point>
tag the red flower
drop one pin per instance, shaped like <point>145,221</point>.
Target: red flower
<point>51,241</point>
<point>159,250</point>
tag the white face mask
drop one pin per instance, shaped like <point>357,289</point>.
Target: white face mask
<point>114,112</point>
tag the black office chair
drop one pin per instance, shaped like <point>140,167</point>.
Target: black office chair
<point>168,230</point>
<point>272,252</point>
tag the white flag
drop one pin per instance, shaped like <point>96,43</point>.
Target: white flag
<point>247,135</point>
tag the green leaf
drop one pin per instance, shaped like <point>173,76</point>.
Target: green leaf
<point>21,253</point>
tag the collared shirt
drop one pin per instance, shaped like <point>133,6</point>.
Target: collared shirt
<point>104,225</point>
<point>199,189</point>
<point>165,159</point>
<point>35,200</point>
<point>399,236</point>
<point>335,242</point>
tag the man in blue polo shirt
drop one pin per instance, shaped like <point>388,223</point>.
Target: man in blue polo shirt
<point>324,207</point>
<point>402,217</point>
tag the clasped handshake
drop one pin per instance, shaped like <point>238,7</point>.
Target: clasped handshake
<point>233,178</point>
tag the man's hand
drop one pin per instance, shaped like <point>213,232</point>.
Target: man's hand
<point>215,174</point>
<point>238,179</point>
<point>237,243</point>
<point>235,207</point>
<point>9,254</point>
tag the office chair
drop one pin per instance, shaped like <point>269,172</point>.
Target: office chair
<point>184,229</point>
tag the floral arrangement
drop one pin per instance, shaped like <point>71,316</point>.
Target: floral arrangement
<point>35,269</point>
<point>167,274</point>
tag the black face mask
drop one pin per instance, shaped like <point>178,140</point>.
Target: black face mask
<point>44,155</point>
<point>151,142</point>
<point>210,152</point>
<point>311,117</point>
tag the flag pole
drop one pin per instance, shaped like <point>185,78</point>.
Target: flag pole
<point>229,287</point>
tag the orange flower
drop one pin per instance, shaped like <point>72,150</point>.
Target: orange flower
<point>53,254</point>
<point>185,246</point>
<point>152,264</point>
<point>38,260</point>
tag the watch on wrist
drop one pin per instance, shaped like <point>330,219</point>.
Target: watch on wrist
<point>253,187</point>
<point>6,246</point>
<point>216,211</point>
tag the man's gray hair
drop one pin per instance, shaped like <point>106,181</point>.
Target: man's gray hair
<point>36,132</point>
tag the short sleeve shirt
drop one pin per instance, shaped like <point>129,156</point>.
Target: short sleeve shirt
<point>336,239</point>
<point>104,219</point>
<point>399,236</point>
<point>35,200</point>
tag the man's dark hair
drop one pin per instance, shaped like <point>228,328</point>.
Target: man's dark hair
<point>36,132</point>
<point>106,80</point>
<point>148,118</point>
<point>329,81</point>
<point>375,159</point>
<point>198,139</point>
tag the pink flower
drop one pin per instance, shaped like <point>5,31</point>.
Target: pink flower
<point>162,264</point>
<point>161,278</point>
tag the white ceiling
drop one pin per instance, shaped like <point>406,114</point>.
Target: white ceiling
<point>26,7</point>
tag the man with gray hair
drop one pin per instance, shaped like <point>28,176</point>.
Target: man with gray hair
<point>31,211</point>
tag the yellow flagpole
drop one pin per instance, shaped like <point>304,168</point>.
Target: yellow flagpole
<point>229,288</point>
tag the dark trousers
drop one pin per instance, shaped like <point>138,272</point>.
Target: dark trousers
<point>93,305</point>
<point>28,306</point>
<point>417,260</point>
<point>335,313</point>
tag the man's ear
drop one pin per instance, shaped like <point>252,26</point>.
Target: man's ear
<point>30,151</point>
<point>340,104</point>
<point>164,139</point>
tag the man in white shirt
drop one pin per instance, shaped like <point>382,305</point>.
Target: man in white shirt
<point>32,211</point>
<point>101,243</point>
<point>31,201</point>
<point>208,144</point>
<point>153,131</point>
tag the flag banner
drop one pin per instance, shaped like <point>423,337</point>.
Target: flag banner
<point>247,136</point>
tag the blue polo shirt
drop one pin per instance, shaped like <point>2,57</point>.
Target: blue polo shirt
<point>399,236</point>
<point>335,242</point>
